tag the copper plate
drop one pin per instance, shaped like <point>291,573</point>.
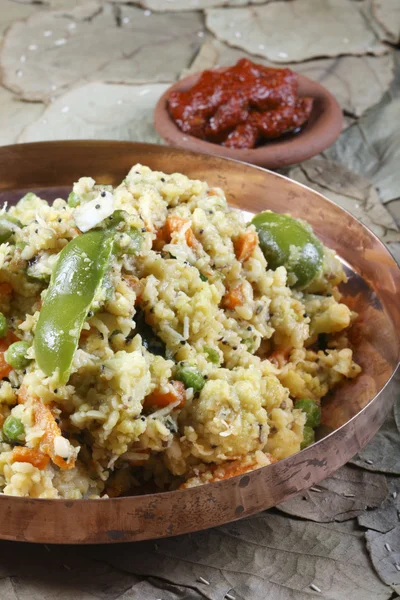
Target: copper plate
<point>350,417</point>
<point>322,129</point>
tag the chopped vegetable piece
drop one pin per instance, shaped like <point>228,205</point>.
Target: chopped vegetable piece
<point>190,376</point>
<point>233,298</point>
<point>5,342</point>
<point>311,409</point>
<point>92,213</point>
<point>150,341</point>
<point>78,274</point>
<point>175,223</point>
<point>308,437</point>
<point>129,242</point>
<point>162,399</point>
<point>14,429</point>
<point>3,325</point>
<point>8,226</point>
<point>73,200</point>
<point>203,277</point>
<point>15,355</point>
<point>245,244</point>
<point>290,243</point>
<point>212,355</point>
<point>29,455</point>
<point>44,419</point>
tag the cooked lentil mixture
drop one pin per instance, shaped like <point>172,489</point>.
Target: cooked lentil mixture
<point>149,334</point>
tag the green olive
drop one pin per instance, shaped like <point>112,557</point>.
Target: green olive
<point>312,411</point>
<point>15,355</point>
<point>290,243</point>
<point>3,325</point>
<point>308,437</point>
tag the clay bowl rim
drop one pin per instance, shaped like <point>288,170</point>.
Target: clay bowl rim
<point>41,520</point>
<point>322,129</point>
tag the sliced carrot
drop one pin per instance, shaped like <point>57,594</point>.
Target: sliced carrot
<point>5,289</point>
<point>161,399</point>
<point>233,298</point>
<point>5,342</point>
<point>280,356</point>
<point>136,285</point>
<point>245,244</point>
<point>175,223</point>
<point>29,455</point>
<point>44,419</point>
<point>161,239</point>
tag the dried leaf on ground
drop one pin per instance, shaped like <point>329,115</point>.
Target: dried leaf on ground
<point>346,494</point>
<point>371,147</point>
<point>268,555</point>
<point>384,518</point>
<point>383,451</point>
<point>15,115</point>
<point>99,111</point>
<point>177,5</point>
<point>384,550</point>
<point>357,82</point>
<point>119,44</point>
<point>387,13</point>
<point>349,190</point>
<point>296,31</point>
<point>12,11</point>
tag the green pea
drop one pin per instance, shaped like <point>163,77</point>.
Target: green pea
<point>73,200</point>
<point>212,355</point>
<point>15,355</point>
<point>129,242</point>
<point>308,437</point>
<point>312,410</point>
<point>8,226</point>
<point>3,325</point>
<point>190,377</point>
<point>287,242</point>
<point>13,429</point>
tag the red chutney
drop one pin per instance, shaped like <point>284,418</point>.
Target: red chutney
<point>242,106</point>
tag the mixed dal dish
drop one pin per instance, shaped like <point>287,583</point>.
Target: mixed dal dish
<point>150,334</point>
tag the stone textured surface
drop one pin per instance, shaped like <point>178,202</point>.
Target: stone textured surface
<point>387,13</point>
<point>119,44</point>
<point>295,31</point>
<point>99,111</point>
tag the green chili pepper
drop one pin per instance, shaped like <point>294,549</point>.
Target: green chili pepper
<point>15,355</point>
<point>79,272</point>
<point>13,429</point>
<point>308,437</point>
<point>288,242</point>
<point>3,325</point>
<point>8,226</point>
<point>190,377</point>
<point>212,355</point>
<point>312,410</point>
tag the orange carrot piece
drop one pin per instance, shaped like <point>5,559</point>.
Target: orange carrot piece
<point>280,356</point>
<point>175,223</point>
<point>159,399</point>
<point>44,419</point>
<point>5,289</point>
<point>233,298</point>
<point>29,455</point>
<point>245,244</point>
<point>236,467</point>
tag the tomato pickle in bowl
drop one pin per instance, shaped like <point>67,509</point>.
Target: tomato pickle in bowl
<point>262,115</point>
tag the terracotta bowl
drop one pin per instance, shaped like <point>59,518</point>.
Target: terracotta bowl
<point>322,129</point>
<point>351,415</point>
